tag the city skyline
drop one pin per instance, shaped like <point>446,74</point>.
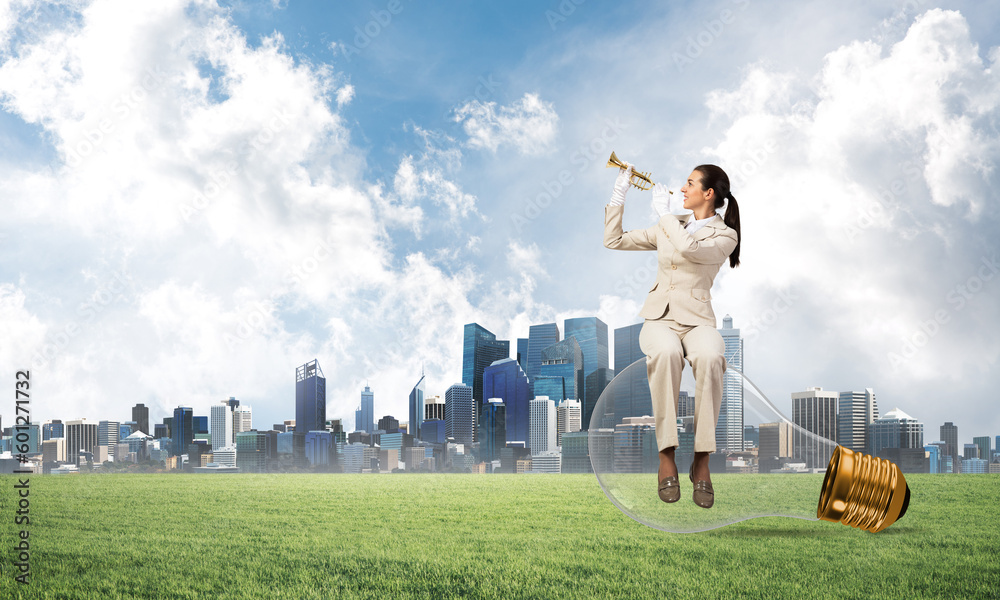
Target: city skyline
<point>197,207</point>
<point>853,405</point>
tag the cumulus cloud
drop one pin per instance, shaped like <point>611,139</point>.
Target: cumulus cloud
<point>529,124</point>
<point>867,200</point>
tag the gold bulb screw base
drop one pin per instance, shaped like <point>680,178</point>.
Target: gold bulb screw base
<point>862,491</point>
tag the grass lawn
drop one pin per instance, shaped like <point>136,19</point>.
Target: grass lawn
<point>474,536</point>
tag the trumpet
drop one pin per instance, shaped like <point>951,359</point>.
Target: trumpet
<point>639,180</point>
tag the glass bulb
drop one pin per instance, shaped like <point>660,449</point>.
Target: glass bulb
<point>801,474</point>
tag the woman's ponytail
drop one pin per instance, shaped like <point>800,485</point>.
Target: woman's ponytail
<point>715,178</point>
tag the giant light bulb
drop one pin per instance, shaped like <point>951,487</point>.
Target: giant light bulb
<point>817,479</point>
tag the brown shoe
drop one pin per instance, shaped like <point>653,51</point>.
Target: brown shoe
<point>670,489</point>
<point>704,495</point>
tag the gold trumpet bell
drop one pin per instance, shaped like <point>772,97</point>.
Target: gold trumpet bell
<point>641,180</point>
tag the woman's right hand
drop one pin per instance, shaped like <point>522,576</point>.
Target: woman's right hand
<point>622,184</point>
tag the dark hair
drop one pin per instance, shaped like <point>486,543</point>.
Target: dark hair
<point>713,177</point>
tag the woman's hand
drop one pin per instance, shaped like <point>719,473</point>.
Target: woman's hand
<point>622,184</point>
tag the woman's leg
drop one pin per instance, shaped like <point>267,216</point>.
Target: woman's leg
<point>664,362</point>
<point>705,350</point>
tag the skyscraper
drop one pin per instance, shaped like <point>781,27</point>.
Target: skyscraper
<point>591,334</point>
<point>895,429</point>
<point>433,408</point>
<point>460,414</point>
<point>631,391</point>
<point>107,435</point>
<point>364,416</point>
<point>522,352</point>
<point>416,408</point>
<point>775,445</point>
<point>568,417</point>
<point>53,430</point>
<point>182,428</point>
<point>242,419</point>
<point>984,446</point>
<point>949,435</point>
<point>310,397</point>
<point>540,337</point>
<point>543,425</point>
<point>506,380</point>
<point>815,411</point>
<point>81,436</point>
<point>140,414</point>
<point>480,348</point>
<point>563,360</point>
<point>222,426</point>
<point>729,428</point>
<point>855,412</point>
<point>493,430</point>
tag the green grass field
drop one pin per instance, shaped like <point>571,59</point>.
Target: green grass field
<point>474,536</point>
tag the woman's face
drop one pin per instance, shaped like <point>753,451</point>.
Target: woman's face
<point>694,195</point>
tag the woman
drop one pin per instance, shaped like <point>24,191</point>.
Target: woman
<point>691,243</point>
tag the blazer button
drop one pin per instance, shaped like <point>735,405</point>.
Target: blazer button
<point>674,267</point>
<point>671,287</point>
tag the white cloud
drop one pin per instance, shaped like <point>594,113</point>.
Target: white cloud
<point>529,124</point>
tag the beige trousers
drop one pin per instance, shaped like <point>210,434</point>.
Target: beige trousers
<point>666,344</point>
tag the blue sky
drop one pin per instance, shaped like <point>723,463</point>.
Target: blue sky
<point>203,196</point>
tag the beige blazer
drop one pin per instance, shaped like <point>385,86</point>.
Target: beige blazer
<point>687,264</point>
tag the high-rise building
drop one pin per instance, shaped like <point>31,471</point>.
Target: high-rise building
<point>53,430</point>
<point>562,362</point>
<point>493,429</point>
<point>576,452</point>
<point>935,456</point>
<point>729,427</point>
<point>107,435</point>
<point>751,437</point>
<point>895,429</point>
<point>775,445</point>
<point>140,414</point>
<point>310,397</point>
<point>182,429</point>
<point>252,451</point>
<point>242,419</point>
<point>388,424</point>
<point>318,447</point>
<point>522,352</point>
<point>593,386</point>
<point>364,416</point>
<point>949,435</point>
<point>460,414</point>
<point>568,418</point>
<point>540,337</point>
<point>222,426</point>
<point>635,438</point>
<point>416,408</point>
<point>591,334</point>
<point>199,425</point>
<point>984,446</point>
<point>480,348</point>
<point>685,404</point>
<point>815,411</point>
<point>81,436</point>
<point>542,429</point>
<point>505,379</point>
<point>855,412</point>
<point>433,408</point>
<point>631,391</point>
<point>54,450</point>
